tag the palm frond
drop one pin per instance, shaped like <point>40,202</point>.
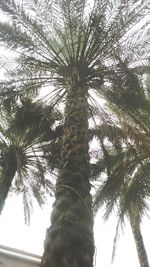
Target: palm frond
<point>29,129</point>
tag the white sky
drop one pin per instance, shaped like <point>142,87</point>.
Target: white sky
<point>14,233</point>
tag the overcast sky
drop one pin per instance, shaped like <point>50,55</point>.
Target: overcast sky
<point>14,233</point>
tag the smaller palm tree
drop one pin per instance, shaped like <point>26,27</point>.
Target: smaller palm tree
<point>125,158</point>
<point>122,191</point>
<point>25,131</point>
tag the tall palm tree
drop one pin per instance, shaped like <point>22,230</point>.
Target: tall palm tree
<point>25,130</point>
<point>70,45</point>
<point>126,159</point>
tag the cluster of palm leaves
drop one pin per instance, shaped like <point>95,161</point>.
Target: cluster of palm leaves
<point>75,49</point>
<point>125,159</point>
<point>26,129</point>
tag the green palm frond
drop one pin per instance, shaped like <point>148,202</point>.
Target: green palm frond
<point>75,36</point>
<point>126,187</point>
<point>26,130</point>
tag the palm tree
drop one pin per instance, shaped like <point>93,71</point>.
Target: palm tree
<point>126,161</point>
<point>71,46</point>
<point>124,193</point>
<point>25,129</point>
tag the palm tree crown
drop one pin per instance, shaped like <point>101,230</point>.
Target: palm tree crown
<point>24,133</point>
<point>73,41</point>
<point>126,158</point>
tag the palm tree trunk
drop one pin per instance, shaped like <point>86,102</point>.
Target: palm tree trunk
<point>8,173</point>
<point>141,251</point>
<point>69,241</point>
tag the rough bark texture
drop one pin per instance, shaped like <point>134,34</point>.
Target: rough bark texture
<point>7,176</point>
<point>69,241</point>
<point>141,251</point>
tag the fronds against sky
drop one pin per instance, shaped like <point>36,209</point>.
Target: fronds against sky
<point>126,157</point>
<point>54,38</point>
<point>123,167</point>
<point>26,129</point>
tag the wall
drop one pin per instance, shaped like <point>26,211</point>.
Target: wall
<point>7,259</point>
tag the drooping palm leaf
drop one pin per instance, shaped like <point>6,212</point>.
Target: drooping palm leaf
<point>127,185</point>
<point>26,129</point>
